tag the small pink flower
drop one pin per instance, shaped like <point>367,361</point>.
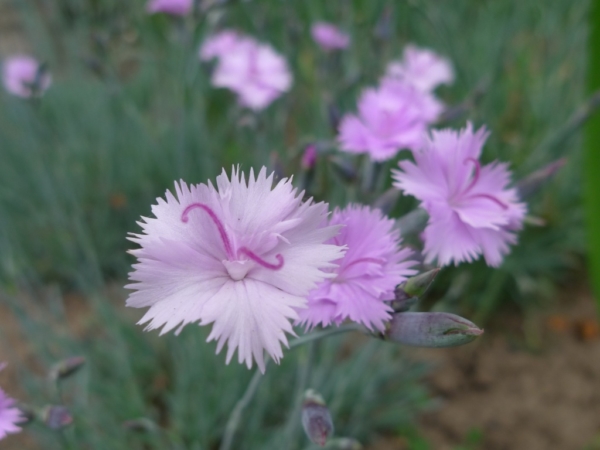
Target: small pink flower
<point>471,209</point>
<point>329,37</point>
<point>422,68</point>
<point>254,71</point>
<point>10,416</point>
<point>390,118</point>
<point>372,267</point>
<point>219,44</point>
<point>172,7</point>
<point>22,76</point>
<point>242,256</point>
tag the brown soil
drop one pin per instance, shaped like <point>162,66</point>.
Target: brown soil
<point>11,34</point>
<point>517,397</point>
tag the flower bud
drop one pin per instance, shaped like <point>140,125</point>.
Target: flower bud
<point>532,182</point>
<point>55,417</point>
<point>309,157</point>
<point>408,292</point>
<point>316,419</point>
<point>436,329</point>
<point>66,367</point>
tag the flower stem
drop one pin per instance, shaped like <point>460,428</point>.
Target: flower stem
<point>234,418</point>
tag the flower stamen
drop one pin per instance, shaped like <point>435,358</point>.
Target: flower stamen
<point>496,200</point>
<point>257,259</point>
<point>216,221</point>
<point>475,175</point>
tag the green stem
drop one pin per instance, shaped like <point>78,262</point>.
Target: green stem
<point>304,370</point>
<point>233,422</point>
<point>591,161</point>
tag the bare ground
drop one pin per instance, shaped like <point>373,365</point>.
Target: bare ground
<point>515,396</point>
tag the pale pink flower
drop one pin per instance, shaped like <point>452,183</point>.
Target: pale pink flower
<point>254,71</point>
<point>392,117</point>
<point>242,256</point>
<point>367,274</point>
<point>10,415</point>
<point>22,76</point>
<point>219,44</point>
<point>329,37</point>
<point>471,210</point>
<point>172,7</point>
<point>422,68</point>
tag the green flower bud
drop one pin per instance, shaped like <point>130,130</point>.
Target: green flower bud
<point>316,418</point>
<point>436,329</point>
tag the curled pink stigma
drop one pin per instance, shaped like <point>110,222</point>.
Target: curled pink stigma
<point>365,260</point>
<point>257,259</point>
<point>475,175</point>
<point>216,221</point>
<point>497,201</point>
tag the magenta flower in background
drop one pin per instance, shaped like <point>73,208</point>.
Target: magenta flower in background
<point>172,7</point>
<point>22,77</point>
<point>254,71</point>
<point>471,210</point>
<point>329,37</point>
<point>367,274</point>
<point>309,157</point>
<point>392,117</point>
<point>10,415</point>
<point>242,256</point>
<point>422,68</point>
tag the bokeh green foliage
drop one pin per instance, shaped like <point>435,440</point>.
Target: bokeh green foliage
<point>592,152</point>
<point>131,110</point>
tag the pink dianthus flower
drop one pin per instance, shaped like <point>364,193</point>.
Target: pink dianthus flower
<point>422,68</point>
<point>329,37</point>
<point>172,7</point>
<point>219,44</point>
<point>367,274</point>
<point>242,256</point>
<point>10,416</point>
<point>471,210</point>
<point>254,71</point>
<point>22,76</point>
<point>390,118</point>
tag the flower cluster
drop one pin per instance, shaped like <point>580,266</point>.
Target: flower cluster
<point>471,210</point>
<point>253,259</point>
<point>253,70</point>
<point>23,76</point>
<point>396,115</point>
<point>250,259</point>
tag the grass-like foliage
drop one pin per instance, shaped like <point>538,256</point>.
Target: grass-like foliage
<point>131,109</point>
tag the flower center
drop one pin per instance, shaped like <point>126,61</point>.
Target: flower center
<point>340,278</point>
<point>474,181</point>
<point>236,267</point>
